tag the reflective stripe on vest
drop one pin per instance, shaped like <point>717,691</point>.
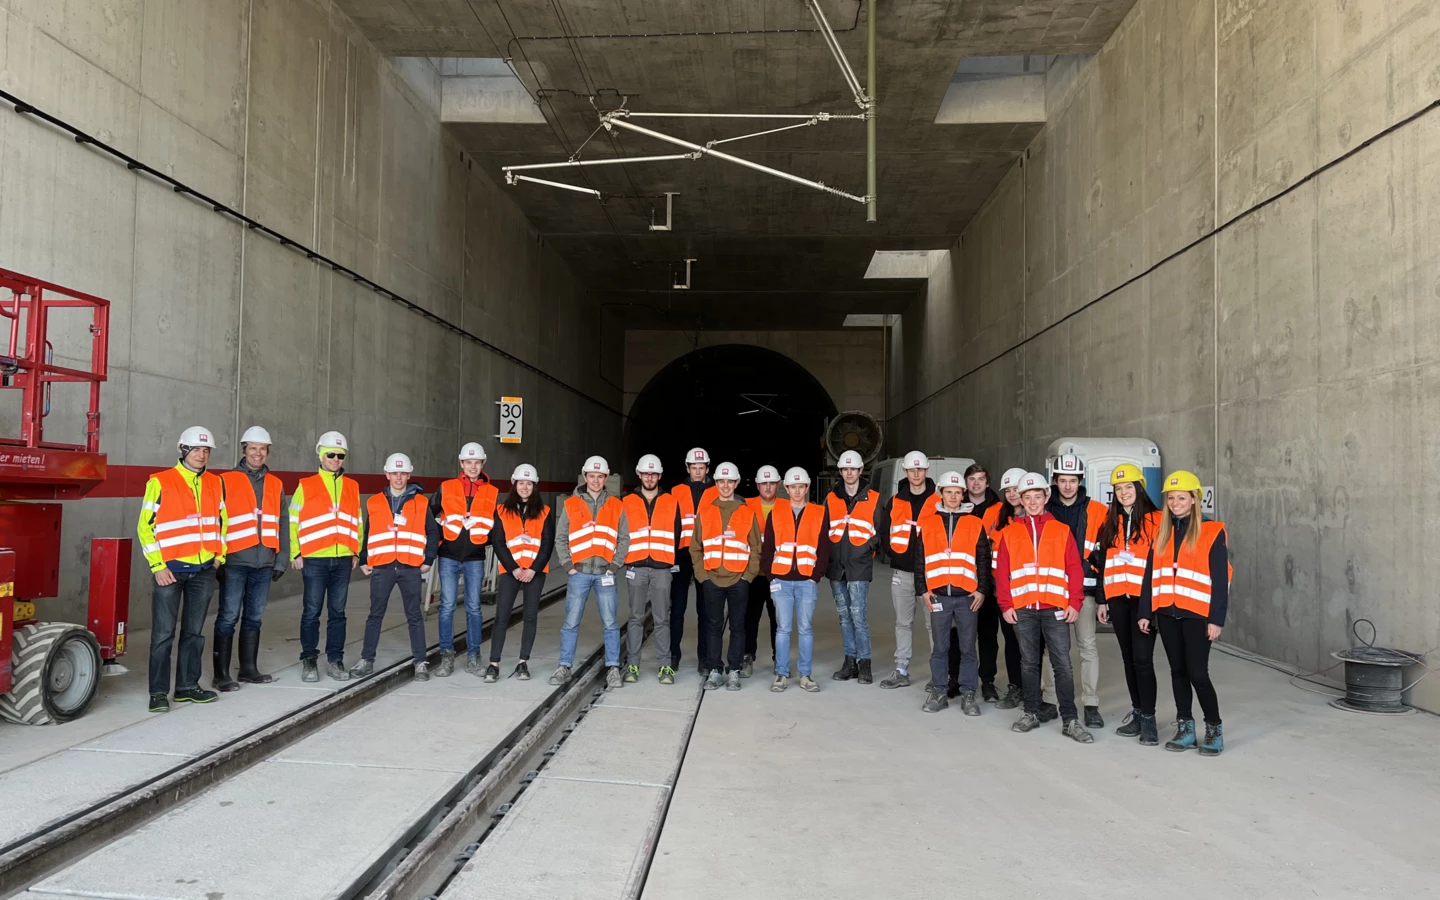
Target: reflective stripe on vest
<point>796,548</point>
<point>522,538</point>
<point>903,522</point>
<point>251,523</point>
<point>1125,563</point>
<point>860,521</point>
<point>686,502</point>
<point>1183,581</point>
<point>183,526</point>
<point>323,522</point>
<point>726,546</point>
<point>593,536</point>
<point>479,517</point>
<point>990,521</point>
<point>1094,518</point>
<point>655,536</point>
<point>396,537</point>
<point>950,560</point>
<point>1038,581</point>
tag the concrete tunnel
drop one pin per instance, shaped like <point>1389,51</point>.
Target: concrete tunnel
<point>1207,224</point>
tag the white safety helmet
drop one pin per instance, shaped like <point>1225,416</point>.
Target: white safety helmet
<point>398,462</point>
<point>472,450</point>
<point>332,439</point>
<point>1011,478</point>
<point>525,472</point>
<point>1068,464</point>
<point>697,455</point>
<point>1033,481</point>
<point>916,460</point>
<point>796,475</point>
<point>850,459</point>
<point>767,475</point>
<point>727,472</point>
<point>950,479</point>
<point>255,435</point>
<point>596,464</point>
<point>196,436</point>
<point>649,463</point>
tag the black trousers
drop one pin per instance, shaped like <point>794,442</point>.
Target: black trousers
<point>1137,649</point>
<point>991,626</point>
<point>506,587</point>
<point>679,601</point>
<point>383,580</point>
<point>760,587</point>
<point>1187,643</point>
<point>717,602</point>
<point>181,606</point>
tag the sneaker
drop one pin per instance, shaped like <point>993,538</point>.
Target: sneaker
<point>422,671</point>
<point>447,664</point>
<point>1183,740</point>
<point>1213,743</point>
<point>747,666</point>
<point>935,701</point>
<point>1076,732</point>
<point>779,684</point>
<point>1149,732</point>
<point>1026,723</point>
<point>522,671</point>
<point>309,671</point>
<point>612,677</point>
<point>632,674</point>
<point>1093,718</point>
<point>988,692</point>
<point>808,684</point>
<point>473,666</point>
<point>667,675</point>
<point>1130,727</point>
<point>159,703</point>
<point>195,695</point>
<point>714,680</point>
<point>968,705</point>
<point>897,680</point>
<point>336,670</point>
<point>561,676</point>
<point>492,673</point>
<point>1048,712</point>
<point>362,668</point>
<point>1014,698</point>
<point>732,681</point>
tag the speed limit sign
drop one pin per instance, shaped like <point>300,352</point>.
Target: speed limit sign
<point>512,417</point>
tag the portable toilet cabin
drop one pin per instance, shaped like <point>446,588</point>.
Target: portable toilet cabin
<point>1102,455</point>
<point>887,474</point>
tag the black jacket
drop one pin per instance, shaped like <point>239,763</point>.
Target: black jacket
<point>1219,577</point>
<point>432,527</point>
<point>1076,517</point>
<point>649,563</point>
<point>884,516</point>
<point>852,562</point>
<point>984,575</point>
<point>462,549</point>
<point>547,543</point>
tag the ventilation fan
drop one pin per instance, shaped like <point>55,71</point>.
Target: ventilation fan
<point>855,430</point>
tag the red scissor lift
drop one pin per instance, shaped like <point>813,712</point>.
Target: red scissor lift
<point>50,671</point>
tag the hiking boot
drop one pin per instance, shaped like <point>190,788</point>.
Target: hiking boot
<point>522,671</point>
<point>446,668</point>
<point>1093,718</point>
<point>732,681</point>
<point>968,705</point>
<point>195,695</point>
<point>1213,743</point>
<point>779,684</point>
<point>1026,723</point>
<point>714,680</point>
<point>1049,712</point>
<point>309,671</point>
<point>473,666</point>
<point>362,668</point>
<point>1183,740</point>
<point>492,673</point>
<point>220,664</point>
<point>249,653</point>
<point>747,666</point>
<point>667,675</point>
<point>898,679</point>
<point>336,670</point>
<point>988,692</point>
<point>1149,733</point>
<point>422,671</point>
<point>612,677</point>
<point>1013,699</point>
<point>159,703</point>
<point>864,676</point>
<point>561,676</point>
<point>847,670</point>
<point>934,702</point>
<point>952,690</point>
<point>808,684</point>
<point>1131,726</point>
<point>632,674</point>
<point>1076,732</point>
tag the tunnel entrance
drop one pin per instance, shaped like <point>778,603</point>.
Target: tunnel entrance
<point>746,405</point>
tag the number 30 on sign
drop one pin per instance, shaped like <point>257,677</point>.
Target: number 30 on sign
<point>512,417</point>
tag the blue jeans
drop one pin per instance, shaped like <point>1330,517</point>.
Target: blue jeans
<point>955,612</point>
<point>244,591</point>
<point>577,591</point>
<point>850,603</point>
<point>450,570</point>
<point>327,584</point>
<point>792,597</point>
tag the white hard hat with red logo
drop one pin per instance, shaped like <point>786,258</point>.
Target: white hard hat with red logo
<point>697,455</point>
<point>1033,481</point>
<point>950,479</point>
<point>649,463</point>
<point>596,464</point>
<point>1011,478</point>
<point>1068,464</point>
<point>767,475</point>
<point>796,475</point>
<point>850,459</point>
<point>472,450</point>
<point>398,462</point>
<point>727,472</point>
<point>332,439</point>
<point>196,436</point>
<point>525,472</point>
<point>916,460</point>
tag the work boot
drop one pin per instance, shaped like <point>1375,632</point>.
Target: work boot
<point>632,674</point>
<point>1149,733</point>
<point>1076,732</point>
<point>864,676</point>
<point>847,670</point>
<point>1092,717</point>
<point>747,666</point>
<point>988,692</point>
<point>1013,699</point>
<point>362,668</point>
<point>667,675</point>
<point>732,681</point>
<point>1026,723</point>
<point>1131,726</point>
<point>952,690</point>
<point>195,695</point>
<point>779,684</point>
<point>714,680</point>
<point>446,668</point>
<point>561,676</point>
<point>309,671</point>
<point>1213,743</point>
<point>1049,712</point>
<point>249,653</point>
<point>336,670</point>
<point>897,680</point>
<point>808,684</point>
<point>492,673</point>
<point>1183,740</point>
<point>968,704</point>
<point>612,677</point>
<point>220,664</point>
<point>522,671</point>
<point>159,703</point>
<point>934,702</point>
<point>422,671</point>
<point>473,666</point>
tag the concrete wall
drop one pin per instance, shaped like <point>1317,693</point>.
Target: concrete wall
<point>848,364</point>
<point>280,108</point>
<point>1290,359</point>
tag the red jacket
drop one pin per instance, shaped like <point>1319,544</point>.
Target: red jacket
<point>1074,573</point>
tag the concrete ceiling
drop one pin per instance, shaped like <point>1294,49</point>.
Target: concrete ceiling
<point>770,253</point>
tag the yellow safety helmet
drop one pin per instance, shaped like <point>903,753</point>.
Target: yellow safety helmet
<point>1125,473</point>
<point>1182,481</point>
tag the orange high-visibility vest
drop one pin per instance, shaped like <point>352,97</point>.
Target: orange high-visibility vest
<point>1094,518</point>
<point>991,522</point>
<point>796,548</point>
<point>903,522</point>
<point>522,538</point>
<point>251,523</point>
<point>681,493</point>
<point>479,518</point>
<point>183,527</point>
<point>1125,562</point>
<point>593,536</point>
<point>323,523</point>
<point>950,560</point>
<point>1042,581</point>
<point>396,537</point>
<point>860,520</point>
<point>726,548</point>
<point>1184,581</point>
<point>651,537</point>
<point>757,506</point>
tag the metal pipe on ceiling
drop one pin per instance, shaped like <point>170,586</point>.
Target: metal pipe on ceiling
<point>511,178</point>
<point>608,161</point>
<point>835,49</point>
<point>870,111</point>
<point>822,117</point>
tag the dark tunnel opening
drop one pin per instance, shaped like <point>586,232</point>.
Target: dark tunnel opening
<point>746,405</point>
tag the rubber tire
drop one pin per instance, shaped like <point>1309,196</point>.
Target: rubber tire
<point>35,648</point>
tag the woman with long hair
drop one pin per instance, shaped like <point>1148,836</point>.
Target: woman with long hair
<point>1122,546</point>
<point>522,545</point>
<point>1185,593</point>
<point>996,517</point>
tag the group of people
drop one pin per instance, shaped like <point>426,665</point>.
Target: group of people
<point>1039,566</point>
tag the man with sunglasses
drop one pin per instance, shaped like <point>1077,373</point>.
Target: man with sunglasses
<point>325,538</point>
